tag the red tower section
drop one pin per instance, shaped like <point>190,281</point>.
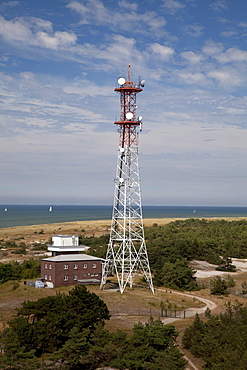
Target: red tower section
<point>128,119</point>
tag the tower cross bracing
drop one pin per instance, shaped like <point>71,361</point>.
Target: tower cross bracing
<point>127,252</point>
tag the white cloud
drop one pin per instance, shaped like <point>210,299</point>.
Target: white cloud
<point>35,32</point>
<point>219,5</point>
<point>14,30</point>
<point>212,48</point>
<point>161,51</point>
<point>192,78</point>
<point>232,55</point>
<point>122,49</point>
<point>228,33</point>
<point>194,30</point>
<point>227,76</point>
<point>56,41</point>
<point>127,5</point>
<point>10,3</point>
<point>192,57</point>
<point>95,12</point>
<point>172,6</point>
<point>243,24</point>
<point>235,111</point>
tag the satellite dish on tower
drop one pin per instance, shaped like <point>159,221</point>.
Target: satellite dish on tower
<point>142,83</point>
<point>129,115</point>
<point>121,81</point>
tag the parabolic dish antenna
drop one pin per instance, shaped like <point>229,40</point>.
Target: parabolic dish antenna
<point>129,115</point>
<point>142,83</point>
<point>121,81</point>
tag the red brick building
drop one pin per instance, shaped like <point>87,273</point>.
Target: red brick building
<point>69,269</point>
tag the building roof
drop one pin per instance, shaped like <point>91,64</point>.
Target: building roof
<point>72,257</point>
<point>67,248</point>
<point>65,236</point>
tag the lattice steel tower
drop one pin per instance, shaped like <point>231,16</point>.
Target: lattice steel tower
<point>127,252</point>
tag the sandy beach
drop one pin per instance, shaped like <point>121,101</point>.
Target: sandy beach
<point>45,231</point>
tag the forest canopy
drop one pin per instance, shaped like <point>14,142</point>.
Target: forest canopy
<point>67,331</point>
<point>172,246</point>
<point>217,341</point>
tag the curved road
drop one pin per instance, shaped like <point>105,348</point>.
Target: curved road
<point>192,312</point>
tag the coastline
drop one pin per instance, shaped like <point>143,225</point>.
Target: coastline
<point>43,232</point>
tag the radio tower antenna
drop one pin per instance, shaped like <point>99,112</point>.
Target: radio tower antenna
<point>127,252</point>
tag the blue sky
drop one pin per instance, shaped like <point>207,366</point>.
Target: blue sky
<point>59,64</point>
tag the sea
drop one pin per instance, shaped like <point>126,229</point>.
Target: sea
<point>25,215</point>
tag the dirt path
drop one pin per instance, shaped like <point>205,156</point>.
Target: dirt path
<point>190,312</point>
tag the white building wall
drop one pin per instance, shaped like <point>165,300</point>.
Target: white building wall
<point>65,240</point>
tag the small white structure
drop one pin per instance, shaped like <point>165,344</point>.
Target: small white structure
<point>65,240</point>
<point>65,244</point>
<point>39,283</point>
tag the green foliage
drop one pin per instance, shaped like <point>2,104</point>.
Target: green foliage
<point>177,275</point>
<point>40,246</point>
<point>230,282</point>
<point>19,251</point>
<point>189,239</point>
<point>151,346</point>
<point>193,335</point>
<point>226,265</point>
<point>198,239</point>
<point>45,325</point>
<point>218,286</point>
<point>15,285</point>
<point>10,244</point>
<point>217,341</point>
<point>68,331</point>
<point>98,245</point>
<point>244,287</point>
<point>10,271</point>
<point>172,246</point>
<point>15,270</point>
<point>148,348</point>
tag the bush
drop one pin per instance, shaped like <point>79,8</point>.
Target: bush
<point>218,285</point>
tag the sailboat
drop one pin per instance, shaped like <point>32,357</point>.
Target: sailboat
<point>5,209</point>
<point>50,209</point>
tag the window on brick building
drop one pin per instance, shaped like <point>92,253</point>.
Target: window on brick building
<point>75,266</point>
<point>49,277</point>
<point>45,277</point>
<point>94,265</point>
<point>65,267</point>
<point>75,277</point>
<point>46,266</point>
<point>85,265</point>
<point>50,266</point>
<point>65,278</point>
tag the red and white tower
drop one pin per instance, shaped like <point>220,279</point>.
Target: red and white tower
<point>127,252</point>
